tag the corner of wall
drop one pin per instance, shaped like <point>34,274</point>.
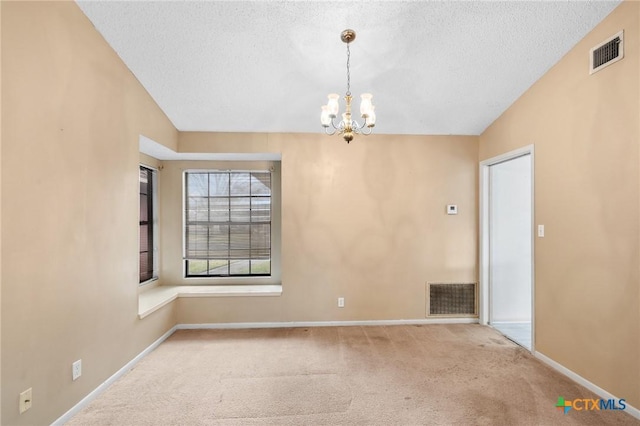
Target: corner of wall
<point>582,182</point>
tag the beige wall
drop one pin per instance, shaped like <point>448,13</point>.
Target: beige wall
<point>365,221</point>
<point>149,161</point>
<point>586,131</point>
<point>72,114</point>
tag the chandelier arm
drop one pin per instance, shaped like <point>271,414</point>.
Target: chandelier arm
<point>365,133</point>
<point>339,126</point>
<point>357,127</point>
<point>330,133</point>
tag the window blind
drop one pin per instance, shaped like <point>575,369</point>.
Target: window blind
<point>228,223</point>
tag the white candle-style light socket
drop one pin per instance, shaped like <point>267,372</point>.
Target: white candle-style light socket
<point>371,117</point>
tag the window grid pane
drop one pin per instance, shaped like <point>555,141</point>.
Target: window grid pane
<point>228,223</point>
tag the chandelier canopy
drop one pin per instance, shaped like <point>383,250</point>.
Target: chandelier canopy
<point>347,127</point>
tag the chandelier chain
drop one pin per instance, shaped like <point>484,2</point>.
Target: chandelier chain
<point>348,71</point>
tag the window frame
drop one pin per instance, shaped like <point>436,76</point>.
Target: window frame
<point>274,270</point>
<point>152,219</point>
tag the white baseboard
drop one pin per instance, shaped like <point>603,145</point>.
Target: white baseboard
<point>291,324</point>
<point>97,391</point>
<point>584,382</point>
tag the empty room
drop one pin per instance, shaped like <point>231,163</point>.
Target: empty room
<point>319,212</point>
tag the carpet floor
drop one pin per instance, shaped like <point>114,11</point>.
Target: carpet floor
<point>462,374</point>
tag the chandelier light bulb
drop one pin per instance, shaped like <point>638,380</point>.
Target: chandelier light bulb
<point>346,119</point>
<point>325,118</point>
<point>333,105</point>
<point>365,104</point>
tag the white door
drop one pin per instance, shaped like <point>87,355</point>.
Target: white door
<point>510,248</point>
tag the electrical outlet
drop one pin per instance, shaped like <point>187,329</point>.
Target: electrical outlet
<point>25,400</point>
<point>340,302</point>
<point>76,369</point>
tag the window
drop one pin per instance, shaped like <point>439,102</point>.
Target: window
<point>227,223</point>
<point>147,224</point>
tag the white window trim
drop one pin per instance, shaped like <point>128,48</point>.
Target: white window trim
<point>156,232</point>
<point>276,230</point>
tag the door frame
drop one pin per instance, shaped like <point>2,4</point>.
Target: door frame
<point>484,265</point>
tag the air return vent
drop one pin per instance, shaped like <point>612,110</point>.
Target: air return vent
<point>606,53</point>
<point>451,300</point>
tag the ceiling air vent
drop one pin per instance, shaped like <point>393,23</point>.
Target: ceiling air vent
<point>606,53</point>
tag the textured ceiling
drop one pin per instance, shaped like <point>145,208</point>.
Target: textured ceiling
<point>432,67</point>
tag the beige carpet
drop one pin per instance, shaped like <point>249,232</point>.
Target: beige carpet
<point>396,375</point>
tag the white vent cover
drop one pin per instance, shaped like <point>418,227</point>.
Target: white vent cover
<point>606,53</point>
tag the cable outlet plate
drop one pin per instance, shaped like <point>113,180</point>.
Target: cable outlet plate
<point>76,369</point>
<point>26,400</point>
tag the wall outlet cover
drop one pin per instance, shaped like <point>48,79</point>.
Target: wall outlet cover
<point>76,369</point>
<point>26,400</point>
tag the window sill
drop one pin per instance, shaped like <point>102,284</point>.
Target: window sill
<point>148,282</point>
<point>155,298</point>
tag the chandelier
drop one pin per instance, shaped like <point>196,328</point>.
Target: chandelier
<point>347,127</point>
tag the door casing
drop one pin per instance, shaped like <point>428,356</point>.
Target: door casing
<point>484,266</point>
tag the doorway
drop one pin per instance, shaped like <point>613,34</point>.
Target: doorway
<point>507,245</point>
